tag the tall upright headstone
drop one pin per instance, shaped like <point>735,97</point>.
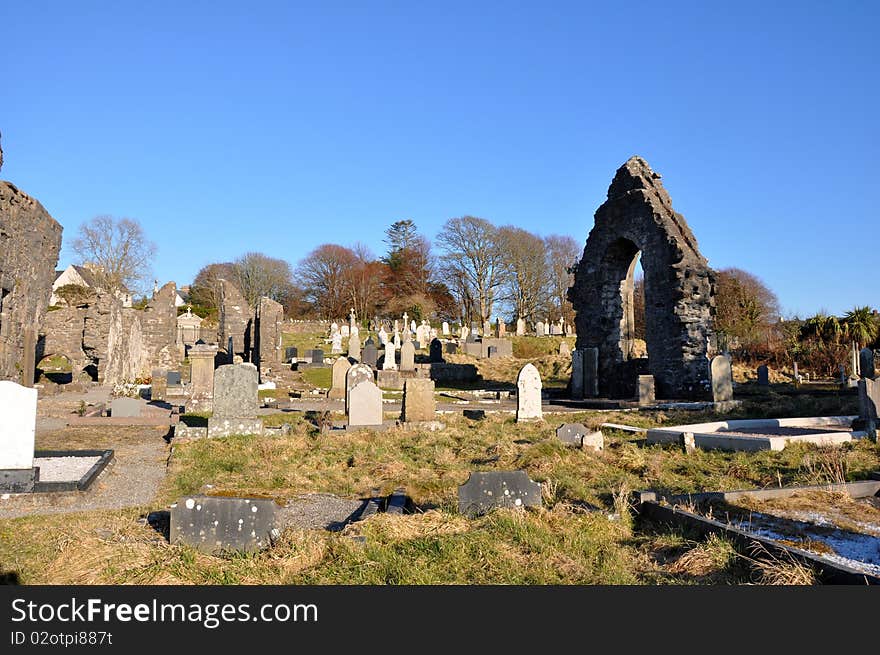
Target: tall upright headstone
<point>445,328</point>
<point>564,349</point>
<point>336,344</point>
<point>577,374</point>
<point>370,354</point>
<point>365,405</point>
<point>539,329</point>
<point>235,401</point>
<point>528,394</point>
<point>355,375</point>
<point>418,400</point>
<point>435,352</point>
<point>338,375</point>
<point>722,379</point>
<point>354,347</point>
<point>408,357</point>
<point>383,336</point>
<point>18,407</point>
<point>390,361</point>
<point>520,327</point>
<point>201,358</point>
<point>866,363</point>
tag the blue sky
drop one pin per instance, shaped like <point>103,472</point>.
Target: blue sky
<point>277,126</point>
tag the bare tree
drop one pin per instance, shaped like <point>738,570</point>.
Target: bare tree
<point>324,275</point>
<point>563,253</point>
<point>205,290</point>
<point>116,252</point>
<point>526,281</point>
<point>259,275</point>
<point>472,256</point>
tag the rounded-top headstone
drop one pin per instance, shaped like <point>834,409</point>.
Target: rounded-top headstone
<point>528,394</point>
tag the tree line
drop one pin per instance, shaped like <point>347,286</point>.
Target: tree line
<point>476,272</point>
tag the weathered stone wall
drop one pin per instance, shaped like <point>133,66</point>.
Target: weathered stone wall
<point>638,218</point>
<point>159,329</point>
<point>268,321</point>
<point>30,240</point>
<point>235,320</point>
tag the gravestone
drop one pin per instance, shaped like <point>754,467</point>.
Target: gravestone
<point>763,375</point>
<point>125,408</point>
<point>646,389</point>
<point>218,524</point>
<point>344,331</point>
<point>355,375</point>
<point>318,356</point>
<point>487,329</point>
<point>577,374</point>
<point>869,404</point>
<point>577,434</point>
<point>445,329</point>
<point>201,357</point>
<point>722,379</point>
<point>18,409</point>
<point>236,401</point>
<point>492,352</point>
<point>408,357</point>
<point>390,363</point>
<point>158,384</point>
<point>451,348</point>
<point>412,326</point>
<point>464,332</point>
<point>591,372</point>
<point>471,337</point>
<point>336,344</point>
<point>418,400</point>
<point>290,354</point>
<point>435,351</point>
<point>172,378</point>
<point>520,327</point>
<point>396,340</point>
<point>528,394</point>
<point>338,375</point>
<point>866,363</point>
<point>539,329</point>
<point>383,336</point>
<point>370,354</point>
<point>489,490</point>
<point>364,405</point>
<point>564,349</point>
<point>354,347</point>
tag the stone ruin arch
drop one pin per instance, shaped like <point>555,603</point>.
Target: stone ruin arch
<point>638,218</point>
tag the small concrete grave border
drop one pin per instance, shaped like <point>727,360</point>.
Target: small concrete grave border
<point>83,484</point>
<point>665,509</point>
<point>710,435</point>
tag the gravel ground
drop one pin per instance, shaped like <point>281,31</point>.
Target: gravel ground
<point>318,511</point>
<point>64,469</point>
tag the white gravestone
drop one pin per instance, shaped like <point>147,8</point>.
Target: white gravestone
<point>528,394</point>
<point>18,405</point>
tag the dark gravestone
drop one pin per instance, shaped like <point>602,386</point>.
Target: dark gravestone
<point>493,352</point>
<point>484,492</point>
<point>435,351</point>
<point>471,337</point>
<point>451,348</point>
<point>572,433</point>
<point>370,354</point>
<point>173,378</point>
<point>229,350</point>
<point>18,481</point>
<point>866,363</point>
<point>317,356</point>
<point>214,524</point>
<point>763,375</point>
<point>290,353</point>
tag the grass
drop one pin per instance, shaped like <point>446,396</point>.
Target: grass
<point>318,377</point>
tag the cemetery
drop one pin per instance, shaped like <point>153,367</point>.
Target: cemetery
<point>251,447</point>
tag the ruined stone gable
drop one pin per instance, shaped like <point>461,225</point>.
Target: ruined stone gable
<point>267,322</point>
<point>235,320</point>
<point>30,240</point>
<point>159,329</point>
<point>638,218</point>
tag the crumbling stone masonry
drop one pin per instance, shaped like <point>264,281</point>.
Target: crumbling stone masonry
<point>159,329</point>
<point>267,328</point>
<point>30,240</point>
<point>638,218</point>
<point>235,321</point>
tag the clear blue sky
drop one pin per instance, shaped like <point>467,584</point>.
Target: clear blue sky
<point>227,127</point>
